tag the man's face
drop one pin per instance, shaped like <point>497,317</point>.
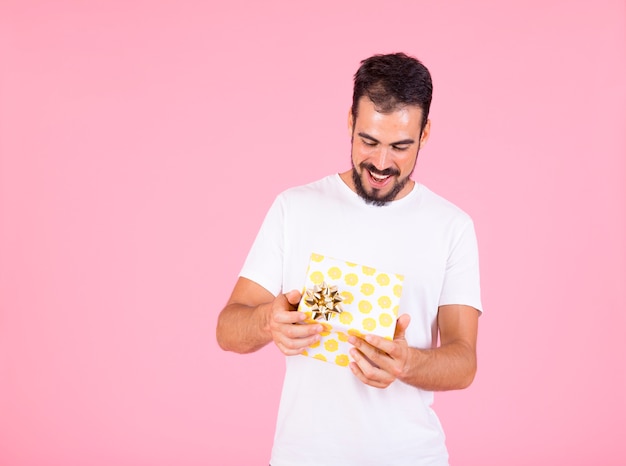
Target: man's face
<point>384,151</point>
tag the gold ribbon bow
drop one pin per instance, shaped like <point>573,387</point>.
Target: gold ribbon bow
<point>323,300</point>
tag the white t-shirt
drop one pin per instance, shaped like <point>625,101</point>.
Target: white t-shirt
<point>327,416</point>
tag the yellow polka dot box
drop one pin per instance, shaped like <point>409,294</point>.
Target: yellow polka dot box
<point>348,299</point>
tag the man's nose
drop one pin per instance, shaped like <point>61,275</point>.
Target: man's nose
<point>382,158</point>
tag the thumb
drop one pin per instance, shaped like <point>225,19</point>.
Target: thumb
<point>401,325</point>
<point>293,297</point>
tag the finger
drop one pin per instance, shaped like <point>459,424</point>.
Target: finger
<point>370,344</point>
<point>292,339</point>
<point>367,373</point>
<point>293,297</point>
<point>288,317</point>
<point>380,343</point>
<point>299,331</point>
<point>283,301</point>
<point>376,353</point>
<point>291,347</point>
<point>401,325</point>
<point>286,349</point>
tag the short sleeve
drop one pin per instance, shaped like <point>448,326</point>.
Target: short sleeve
<point>461,283</point>
<point>264,263</point>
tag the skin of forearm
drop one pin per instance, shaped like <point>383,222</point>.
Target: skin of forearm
<point>449,367</point>
<point>243,329</point>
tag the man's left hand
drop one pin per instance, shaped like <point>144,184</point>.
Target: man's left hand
<point>377,361</point>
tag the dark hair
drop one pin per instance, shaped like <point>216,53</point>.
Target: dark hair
<point>392,81</point>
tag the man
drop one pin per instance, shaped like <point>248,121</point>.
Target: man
<point>378,411</point>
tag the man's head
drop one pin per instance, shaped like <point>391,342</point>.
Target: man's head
<point>393,81</point>
<point>388,123</point>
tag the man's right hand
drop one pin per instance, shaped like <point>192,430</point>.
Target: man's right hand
<point>253,317</point>
<point>289,332</point>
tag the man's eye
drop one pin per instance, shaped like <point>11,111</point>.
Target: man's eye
<point>400,148</point>
<point>368,142</point>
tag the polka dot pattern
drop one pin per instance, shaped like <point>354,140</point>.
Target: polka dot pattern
<point>370,305</point>
<point>342,360</point>
<point>334,273</point>
<point>385,319</point>
<point>365,307</point>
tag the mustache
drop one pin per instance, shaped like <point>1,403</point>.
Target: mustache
<point>376,171</point>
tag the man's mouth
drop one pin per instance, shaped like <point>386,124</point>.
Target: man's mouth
<point>379,178</point>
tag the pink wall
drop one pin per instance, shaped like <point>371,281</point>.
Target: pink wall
<point>142,142</point>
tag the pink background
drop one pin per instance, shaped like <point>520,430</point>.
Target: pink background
<point>142,142</point>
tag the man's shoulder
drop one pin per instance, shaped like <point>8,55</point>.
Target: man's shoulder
<point>324,186</point>
<point>441,205</point>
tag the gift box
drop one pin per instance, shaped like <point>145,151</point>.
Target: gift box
<point>348,299</point>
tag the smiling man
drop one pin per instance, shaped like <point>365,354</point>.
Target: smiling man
<point>384,151</point>
<point>379,410</point>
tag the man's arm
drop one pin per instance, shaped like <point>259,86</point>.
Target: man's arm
<point>253,317</point>
<point>450,366</point>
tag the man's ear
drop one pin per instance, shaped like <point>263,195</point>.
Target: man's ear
<point>425,134</point>
<point>350,123</point>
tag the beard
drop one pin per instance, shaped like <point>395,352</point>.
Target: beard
<point>375,198</point>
